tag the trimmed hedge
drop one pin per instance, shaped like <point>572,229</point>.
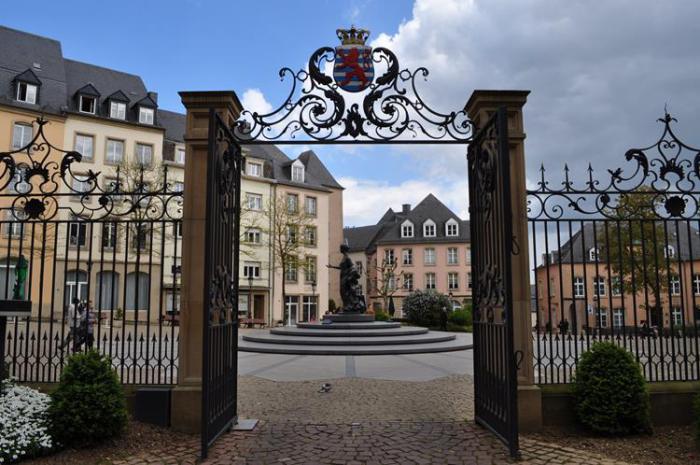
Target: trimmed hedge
<point>89,405</point>
<point>610,391</point>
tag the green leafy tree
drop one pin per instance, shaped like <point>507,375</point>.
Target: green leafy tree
<point>425,308</point>
<point>635,246</point>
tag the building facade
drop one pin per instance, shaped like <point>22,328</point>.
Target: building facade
<point>426,247</point>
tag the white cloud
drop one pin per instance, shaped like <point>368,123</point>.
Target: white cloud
<point>255,101</point>
<point>364,201</point>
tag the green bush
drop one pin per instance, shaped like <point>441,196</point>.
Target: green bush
<point>89,404</point>
<point>611,394</point>
<point>425,308</point>
<point>381,315</point>
<point>331,305</point>
<point>461,317</point>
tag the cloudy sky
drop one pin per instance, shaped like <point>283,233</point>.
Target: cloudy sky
<point>600,73</point>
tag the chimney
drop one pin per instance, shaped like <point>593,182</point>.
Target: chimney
<point>406,208</point>
<point>154,96</point>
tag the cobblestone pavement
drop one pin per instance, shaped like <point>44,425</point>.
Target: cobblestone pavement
<point>362,421</point>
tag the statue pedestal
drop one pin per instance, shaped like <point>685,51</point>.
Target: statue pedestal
<point>350,317</point>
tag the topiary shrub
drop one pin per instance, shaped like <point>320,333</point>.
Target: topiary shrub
<point>611,394</point>
<point>381,315</point>
<point>424,308</point>
<point>89,404</point>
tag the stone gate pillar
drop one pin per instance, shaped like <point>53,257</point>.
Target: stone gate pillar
<point>187,395</point>
<point>481,106</point>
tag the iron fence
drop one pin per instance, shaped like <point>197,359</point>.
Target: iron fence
<point>103,254</point>
<point>617,258</point>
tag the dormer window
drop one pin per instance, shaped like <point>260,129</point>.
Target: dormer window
<point>669,251</point>
<point>117,110</point>
<point>180,155</point>
<point>87,104</point>
<point>451,228</point>
<point>146,115</point>
<point>429,229</point>
<point>298,171</point>
<point>26,92</point>
<point>254,169</point>
<point>407,229</point>
<point>593,254</point>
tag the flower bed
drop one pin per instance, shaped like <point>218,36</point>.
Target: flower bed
<point>23,423</point>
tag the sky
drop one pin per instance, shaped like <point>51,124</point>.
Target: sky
<point>600,73</point>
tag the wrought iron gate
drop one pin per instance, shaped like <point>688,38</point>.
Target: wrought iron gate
<point>495,372</point>
<point>219,366</point>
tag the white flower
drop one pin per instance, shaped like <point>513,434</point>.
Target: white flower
<point>23,422</point>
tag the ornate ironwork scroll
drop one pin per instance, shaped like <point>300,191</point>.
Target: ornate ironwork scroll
<point>222,246</point>
<point>390,108</point>
<point>495,371</point>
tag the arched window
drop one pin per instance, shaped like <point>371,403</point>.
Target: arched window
<point>107,290</point>
<point>407,229</point>
<point>76,286</point>
<point>138,288</point>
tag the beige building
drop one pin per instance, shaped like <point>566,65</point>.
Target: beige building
<point>429,245</point>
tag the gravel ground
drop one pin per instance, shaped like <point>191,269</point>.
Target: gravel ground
<point>669,445</point>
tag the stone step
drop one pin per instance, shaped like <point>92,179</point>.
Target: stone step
<point>426,338</point>
<point>372,325</point>
<point>447,346</point>
<point>325,332</point>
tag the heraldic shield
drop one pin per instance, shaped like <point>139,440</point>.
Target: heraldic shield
<point>353,70</point>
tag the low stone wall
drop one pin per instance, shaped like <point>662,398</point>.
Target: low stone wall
<point>671,403</point>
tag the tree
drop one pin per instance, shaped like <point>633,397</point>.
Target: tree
<point>426,308</point>
<point>635,246</point>
<point>386,281</point>
<point>288,234</point>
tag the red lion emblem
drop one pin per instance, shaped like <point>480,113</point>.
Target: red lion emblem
<point>351,59</point>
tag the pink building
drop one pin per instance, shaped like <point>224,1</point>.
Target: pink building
<point>429,245</point>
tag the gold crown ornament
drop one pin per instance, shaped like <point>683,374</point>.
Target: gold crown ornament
<point>352,36</point>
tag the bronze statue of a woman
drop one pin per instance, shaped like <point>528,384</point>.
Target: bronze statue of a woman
<point>350,289</point>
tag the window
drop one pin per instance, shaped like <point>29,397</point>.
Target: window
<point>407,257</point>
<point>429,228</point>
<point>292,233</point>
<point>80,186</point>
<point>676,316</point>
<point>616,286</point>
<point>593,254</point>
<point>26,92</point>
<point>87,104</point>
<point>108,289</point>
<point>115,151</point>
<point>109,235</point>
<point>391,282</point>
<point>243,305</point>
<point>429,256</point>
<point>254,169</point>
<point>310,306</point>
<point>408,281</point>
<point>117,110</point>
<point>451,228</point>
<point>452,255</point>
<point>85,146</point>
<point>180,156</point>
<point>172,301</point>
<point>76,286</point>
<point>469,281</point>
<point>178,228</point>
<point>144,154</point>
<point>139,239</point>
<point>15,227</point>
<point>146,115</point>
<point>18,183</point>
<point>310,236</point>
<point>407,229</point>
<point>77,233</point>
<point>297,171</point>
<point>599,286</point>
<point>291,306</point>
<point>138,289</point>
<point>290,272</point>
<point>452,281</point>
<point>389,256</point>
<point>252,236</point>
<point>602,317</point>
<point>254,201</point>
<point>310,206</point>
<point>310,269</point>
<point>669,251</point>
<point>21,135</point>
<point>618,318</point>
<point>178,186</point>
<point>430,280</point>
<point>8,279</point>
<point>696,284</point>
<point>675,285</point>
<point>251,270</point>
<point>579,287</point>
<point>292,203</point>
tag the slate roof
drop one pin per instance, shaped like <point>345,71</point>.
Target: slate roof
<point>174,124</point>
<point>388,229</point>
<point>585,239</point>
